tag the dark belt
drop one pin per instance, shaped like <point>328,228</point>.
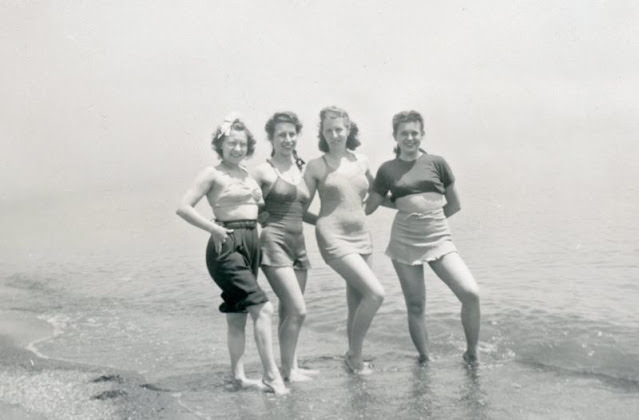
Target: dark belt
<point>238,224</point>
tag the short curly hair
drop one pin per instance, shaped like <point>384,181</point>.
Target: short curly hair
<point>219,136</point>
<point>352,141</point>
<point>404,117</point>
<point>407,116</point>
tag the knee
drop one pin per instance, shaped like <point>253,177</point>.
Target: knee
<point>416,307</point>
<point>377,295</point>
<point>266,310</point>
<point>299,317</point>
<point>297,313</point>
<point>470,296</point>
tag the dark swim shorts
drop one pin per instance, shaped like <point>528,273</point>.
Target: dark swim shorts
<point>236,267</point>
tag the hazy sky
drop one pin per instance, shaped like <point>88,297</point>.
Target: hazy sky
<point>100,94</point>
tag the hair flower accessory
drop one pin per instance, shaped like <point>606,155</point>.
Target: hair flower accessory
<point>227,124</point>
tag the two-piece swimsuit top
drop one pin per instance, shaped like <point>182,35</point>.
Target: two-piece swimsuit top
<point>238,192</point>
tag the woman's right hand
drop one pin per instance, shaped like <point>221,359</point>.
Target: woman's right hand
<point>262,217</point>
<point>220,235</point>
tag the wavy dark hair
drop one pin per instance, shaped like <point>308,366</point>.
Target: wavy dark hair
<point>404,117</point>
<point>352,141</point>
<point>237,125</point>
<point>289,118</point>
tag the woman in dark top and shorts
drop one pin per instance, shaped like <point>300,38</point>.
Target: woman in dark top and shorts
<point>233,251</point>
<point>284,258</point>
<point>422,189</point>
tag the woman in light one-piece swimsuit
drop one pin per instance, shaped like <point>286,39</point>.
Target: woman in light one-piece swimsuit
<point>284,259</point>
<point>342,179</point>
<point>341,226</point>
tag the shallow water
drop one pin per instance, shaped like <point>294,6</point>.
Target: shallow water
<point>124,284</point>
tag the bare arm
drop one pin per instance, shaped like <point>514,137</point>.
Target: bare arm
<point>265,179</point>
<point>186,210</point>
<point>373,201</point>
<point>310,179</point>
<point>370,203</point>
<point>369,175</point>
<point>310,218</point>
<point>452,201</point>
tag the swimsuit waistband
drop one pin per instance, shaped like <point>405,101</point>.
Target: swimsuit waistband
<point>422,214</point>
<point>238,224</point>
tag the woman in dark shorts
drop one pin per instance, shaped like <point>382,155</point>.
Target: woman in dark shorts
<point>233,253</point>
<point>422,189</point>
<point>284,258</point>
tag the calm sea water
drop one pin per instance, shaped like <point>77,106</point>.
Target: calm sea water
<point>555,251</point>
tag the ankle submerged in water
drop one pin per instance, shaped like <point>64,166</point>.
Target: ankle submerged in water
<point>364,368</point>
<point>470,358</point>
<point>297,375</point>
<point>276,387</point>
<point>245,383</point>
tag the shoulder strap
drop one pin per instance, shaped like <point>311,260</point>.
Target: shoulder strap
<point>243,168</point>
<point>277,171</point>
<point>327,164</point>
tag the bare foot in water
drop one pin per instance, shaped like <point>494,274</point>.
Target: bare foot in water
<point>276,387</point>
<point>297,375</point>
<point>423,359</point>
<point>245,383</point>
<point>365,368</point>
<point>471,358</point>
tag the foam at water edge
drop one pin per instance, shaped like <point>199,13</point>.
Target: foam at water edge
<point>58,322</point>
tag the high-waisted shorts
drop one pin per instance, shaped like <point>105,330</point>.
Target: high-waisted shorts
<point>418,238</point>
<point>283,249</point>
<point>235,268</point>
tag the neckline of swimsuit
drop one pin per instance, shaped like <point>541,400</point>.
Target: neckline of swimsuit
<point>280,176</point>
<point>349,154</point>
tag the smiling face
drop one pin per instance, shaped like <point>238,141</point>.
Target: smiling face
<point>284,139</point>
<point>335,132</point>
<point>409,138</point>
<point>235,146</point>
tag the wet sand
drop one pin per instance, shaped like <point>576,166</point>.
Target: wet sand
<point>34,387</point>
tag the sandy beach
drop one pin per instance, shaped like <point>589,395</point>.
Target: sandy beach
<point>34,387</point>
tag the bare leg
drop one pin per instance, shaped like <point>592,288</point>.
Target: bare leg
<point>298,373</point>
<point>285,284</point>
<point>236,340</point>
<point>454,272</point>
<point>364,295</point>
<point>262,316</point>
<point>411,278</point>
<point>353,299</point>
